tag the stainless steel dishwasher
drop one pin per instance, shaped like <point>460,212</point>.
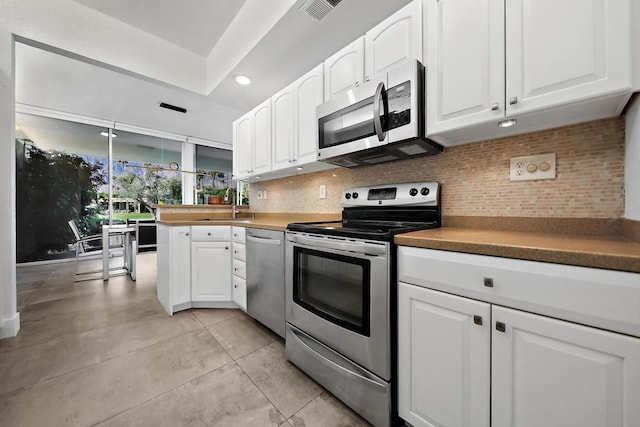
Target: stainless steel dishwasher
<point>265,278</point>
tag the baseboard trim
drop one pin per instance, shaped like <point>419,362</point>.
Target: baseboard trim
<point>10,327</point>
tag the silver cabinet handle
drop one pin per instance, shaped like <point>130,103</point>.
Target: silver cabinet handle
<point>367,78</point>
<point>495,106</point>
<point>477,320</point>
<point>488,282</point>
<point>513,100</point>
<point>186,234</point>
<point>208,234</point>
<point>501,327</point>
<point>356,84</point>
<point>226,248</point>
<point>235,286</point>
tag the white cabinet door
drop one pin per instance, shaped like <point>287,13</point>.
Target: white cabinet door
<point>179,265</point>
<point>464,63</point>
<point>308,95</point>
<point>443,358</point>
<point>395,40</point>
<point>261,117</point>
<point>211,271</point>
<point>561,51</point>
<point>242,147</point>
<point>282,119</point>
<point>344,69</point>
<point>547,372</point>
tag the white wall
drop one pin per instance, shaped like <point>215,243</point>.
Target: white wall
<point>632,162</point>
<point>9,318</point>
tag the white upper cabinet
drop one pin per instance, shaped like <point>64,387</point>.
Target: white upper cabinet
<point>464,53</point>
<point>395,40</point>
<point>566,51</point>
<point>282,128</point>
<point>252,142</point>
<point>344,69</point>
<point>294,121</point>
<point>390,43</point>
<point>308,94</point>
<point>261,116</point>
<point>546,63</point>
<point>242,146</point>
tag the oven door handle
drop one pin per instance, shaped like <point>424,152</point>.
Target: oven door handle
<point>361,248</point>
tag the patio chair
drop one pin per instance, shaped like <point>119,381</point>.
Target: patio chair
<point>90,247</point>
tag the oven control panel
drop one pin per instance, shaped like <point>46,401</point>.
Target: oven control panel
<point>405,194</point>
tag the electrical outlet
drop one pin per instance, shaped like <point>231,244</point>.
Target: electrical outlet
<point>264,194</point>
<point>541,166</point>
<point>322,191</point>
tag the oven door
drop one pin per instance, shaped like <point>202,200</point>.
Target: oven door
<point>337,291</point>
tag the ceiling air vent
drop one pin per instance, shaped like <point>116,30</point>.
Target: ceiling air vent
<point>318,9</point>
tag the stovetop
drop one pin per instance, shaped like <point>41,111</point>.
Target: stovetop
<point>381,212</point>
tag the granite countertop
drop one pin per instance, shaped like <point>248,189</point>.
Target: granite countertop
<point>600,251</point>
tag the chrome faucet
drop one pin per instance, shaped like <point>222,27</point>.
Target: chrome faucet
<point>233,202</point>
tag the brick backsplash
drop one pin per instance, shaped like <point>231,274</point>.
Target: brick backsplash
<point>475,177</point>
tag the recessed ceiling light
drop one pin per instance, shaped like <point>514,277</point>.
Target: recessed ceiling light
<point>242,79</point>
<point>299,168</point>
<point>507,123</point>
<point>258,177</point>
<point>113,134</point>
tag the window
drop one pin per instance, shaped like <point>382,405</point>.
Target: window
<point>61,175</point>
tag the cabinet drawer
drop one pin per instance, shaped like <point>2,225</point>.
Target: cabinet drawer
<point>210,233</point>
<point>240,292</point>
<point>601,298</point>
<point>239,251</point>
<point>239,268</point>
<point>239,234</point>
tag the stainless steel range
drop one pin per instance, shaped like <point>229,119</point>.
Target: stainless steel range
<point>341,292</point>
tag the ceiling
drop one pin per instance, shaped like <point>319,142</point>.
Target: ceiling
<point>117,59</point>
<point>194,25</point>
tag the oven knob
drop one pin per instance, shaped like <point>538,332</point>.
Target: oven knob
<point>355,195</point>
<point>413,192</point>
<point>347,196</point>
<point>424,191</point>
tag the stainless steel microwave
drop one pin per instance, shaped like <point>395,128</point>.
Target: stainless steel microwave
<point>380,121</point>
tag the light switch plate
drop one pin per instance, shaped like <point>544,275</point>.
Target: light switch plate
<point>322,192</point>
<point>264,194</point>
<point>540,166</point>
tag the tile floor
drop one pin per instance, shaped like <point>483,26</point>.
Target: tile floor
<point>105,353</point>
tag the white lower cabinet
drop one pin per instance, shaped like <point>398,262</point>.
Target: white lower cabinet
<point>210,271</point>
<point>194,267</point>
<point>174,266</point>
<point>551,373</point>
<point>465,362</point>
<point>444,358</point>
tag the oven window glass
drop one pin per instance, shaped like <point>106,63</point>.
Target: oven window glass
<point>335,287</point>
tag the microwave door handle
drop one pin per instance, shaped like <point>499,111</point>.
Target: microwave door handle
<point>377,121</point>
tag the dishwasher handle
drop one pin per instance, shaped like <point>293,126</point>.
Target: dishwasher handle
<point>262,240</point>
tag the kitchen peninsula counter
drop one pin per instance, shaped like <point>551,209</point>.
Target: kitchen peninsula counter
<point>265,221</point>
<point>614,247</point>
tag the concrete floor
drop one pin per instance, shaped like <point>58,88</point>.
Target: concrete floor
<point>105,353</point>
